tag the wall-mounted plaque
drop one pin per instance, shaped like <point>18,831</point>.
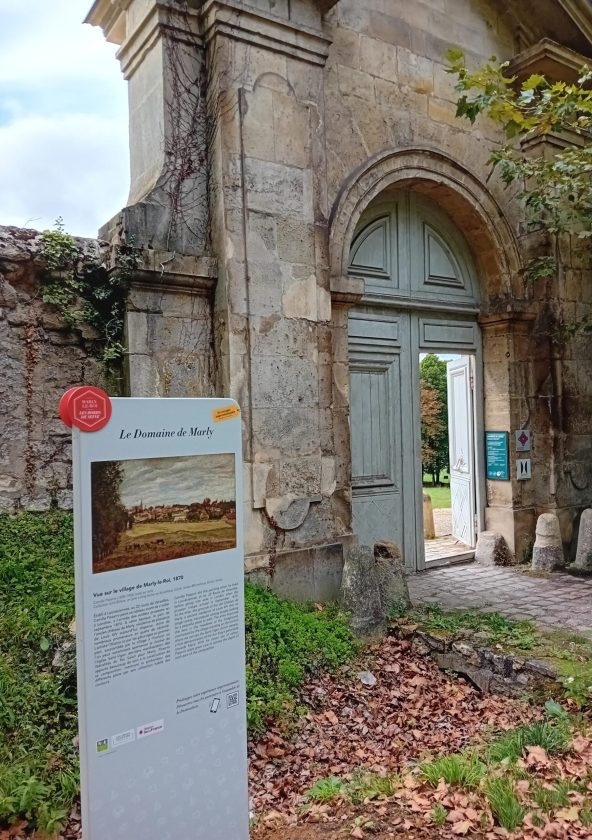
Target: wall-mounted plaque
<point>497,456</point>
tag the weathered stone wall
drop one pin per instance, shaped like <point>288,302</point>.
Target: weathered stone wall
<point>313,109</point>
<point>170,331</point>
<point>40,359</point>
<point>386,88</point>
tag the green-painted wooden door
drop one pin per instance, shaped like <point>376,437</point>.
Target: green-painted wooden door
<point>420,295</point>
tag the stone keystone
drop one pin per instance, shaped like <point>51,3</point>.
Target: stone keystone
<point>360,592</point>
<point>584,552</point>
<point>493,550</point>
<point>547,553</point>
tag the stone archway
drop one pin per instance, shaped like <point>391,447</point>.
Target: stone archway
<point>455,189</point>
<point>503,314</point>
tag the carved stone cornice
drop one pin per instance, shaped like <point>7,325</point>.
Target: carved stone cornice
<point>346,290</point>
<point>163,270</point>
<point>110,16</point>
<point>556,62</point>
<point>239,21</point>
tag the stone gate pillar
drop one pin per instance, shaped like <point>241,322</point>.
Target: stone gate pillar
<point>273,304</point>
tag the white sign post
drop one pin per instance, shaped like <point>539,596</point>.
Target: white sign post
<point>160,620</point>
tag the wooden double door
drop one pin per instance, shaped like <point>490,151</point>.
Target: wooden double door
<point>385,425</point>
<point>421,297</point>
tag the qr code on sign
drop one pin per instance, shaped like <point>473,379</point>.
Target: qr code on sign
<point>232,699</point>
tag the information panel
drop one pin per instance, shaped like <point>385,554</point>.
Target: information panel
<point>160,618</point>
<point>497,456</point>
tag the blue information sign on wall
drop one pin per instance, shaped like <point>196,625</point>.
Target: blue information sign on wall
<point>497,455</point>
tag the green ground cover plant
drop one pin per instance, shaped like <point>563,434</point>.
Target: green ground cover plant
<point>39,777</point>
<point>504,803</point>
<point>362,787</point>
<point>496,629</point>
<point>38,757</point>
<point>285,642</point>
<point>464,770</point>
<point>553,737</point>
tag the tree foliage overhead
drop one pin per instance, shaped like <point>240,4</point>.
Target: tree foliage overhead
<point>434,415</point>
<point>556,190</point>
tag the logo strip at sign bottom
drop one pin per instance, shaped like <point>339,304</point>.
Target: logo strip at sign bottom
<point>160,616</point>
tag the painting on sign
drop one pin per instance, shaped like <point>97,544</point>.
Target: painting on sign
<point>154,509</point>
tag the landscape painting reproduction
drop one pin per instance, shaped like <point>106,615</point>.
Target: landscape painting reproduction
<point>154,509</point>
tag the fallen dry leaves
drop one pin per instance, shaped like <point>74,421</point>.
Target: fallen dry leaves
<point>412,711</point>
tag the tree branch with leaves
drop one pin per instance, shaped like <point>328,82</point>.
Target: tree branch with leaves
<point>554,188</point>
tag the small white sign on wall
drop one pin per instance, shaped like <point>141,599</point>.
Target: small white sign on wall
<point>160,617</point>
<point>523,469</point>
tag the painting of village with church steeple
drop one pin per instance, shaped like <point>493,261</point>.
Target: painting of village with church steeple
<point>155,509</point>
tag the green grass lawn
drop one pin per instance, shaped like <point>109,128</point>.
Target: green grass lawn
<point>440,495</point>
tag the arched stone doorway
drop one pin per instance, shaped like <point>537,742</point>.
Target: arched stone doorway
<point>446,220</point>
<point>421,296</point>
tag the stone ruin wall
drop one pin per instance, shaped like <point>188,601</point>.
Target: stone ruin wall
<point>40,359</point>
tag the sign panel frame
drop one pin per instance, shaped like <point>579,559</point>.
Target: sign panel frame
<point>497,456</point>
<point>160,621</point>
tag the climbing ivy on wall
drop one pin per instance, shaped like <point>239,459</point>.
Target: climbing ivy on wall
<point>88,293</point>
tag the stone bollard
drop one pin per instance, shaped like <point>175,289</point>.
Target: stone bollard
<point>584,553</point>
<point>429,530</point>
<point>493,550</point>
<point>360,592</point>
<point>547,553</point>
<point>392,581</point>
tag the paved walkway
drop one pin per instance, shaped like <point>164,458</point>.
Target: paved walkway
<point>557,600</point>
<point>443,548</point>
<point>443,521</point>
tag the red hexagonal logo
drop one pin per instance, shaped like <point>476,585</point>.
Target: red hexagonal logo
<point>89,409</point>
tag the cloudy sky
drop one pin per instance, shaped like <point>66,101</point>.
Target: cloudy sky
<point>63,118</point>
<point>169,481</point>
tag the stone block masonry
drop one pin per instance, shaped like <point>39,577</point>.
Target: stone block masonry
<point>41,358</point>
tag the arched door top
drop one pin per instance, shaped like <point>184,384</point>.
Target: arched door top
<point>453,188</point>
<point>408,251</point>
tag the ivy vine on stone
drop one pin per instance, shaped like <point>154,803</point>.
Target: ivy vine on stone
<point>89,293</point>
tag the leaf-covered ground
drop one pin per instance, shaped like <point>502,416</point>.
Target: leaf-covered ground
<point>354,735</point>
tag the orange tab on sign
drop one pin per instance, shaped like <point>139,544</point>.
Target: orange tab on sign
<point>226,413</point>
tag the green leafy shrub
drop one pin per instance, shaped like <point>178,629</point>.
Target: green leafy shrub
<point>285,642</point>
<point>38,724</point>
<point>88,293</point>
